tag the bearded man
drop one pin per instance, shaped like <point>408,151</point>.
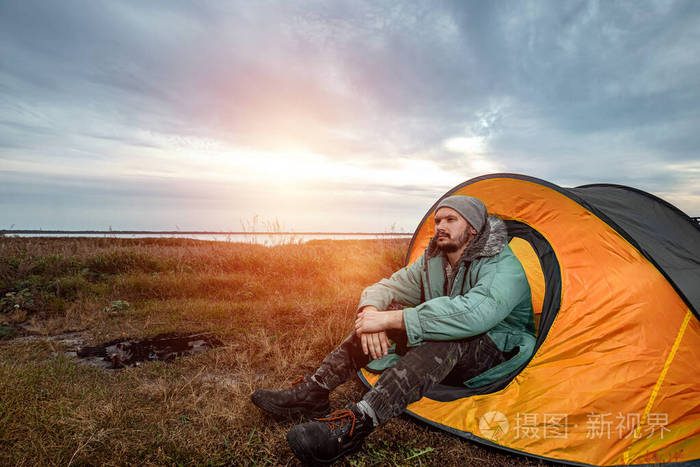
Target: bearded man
<point>467,311</point>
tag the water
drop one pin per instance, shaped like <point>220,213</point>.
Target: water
<point>268,239</point>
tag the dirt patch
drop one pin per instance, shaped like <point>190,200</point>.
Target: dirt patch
<point>163,347</point>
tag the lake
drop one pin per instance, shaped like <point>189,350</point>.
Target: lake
<point>262,238</point>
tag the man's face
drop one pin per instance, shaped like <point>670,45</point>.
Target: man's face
<point>452,231</point>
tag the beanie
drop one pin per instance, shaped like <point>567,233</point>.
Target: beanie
<point>472,209</point>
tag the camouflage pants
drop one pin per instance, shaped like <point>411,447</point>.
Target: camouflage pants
<point>420,368</point>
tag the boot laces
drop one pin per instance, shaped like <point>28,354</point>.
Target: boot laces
<point>338,419</point>
<point>299,384</point>
<point>298,381</point>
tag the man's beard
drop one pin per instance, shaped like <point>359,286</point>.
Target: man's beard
<point>453,245</point>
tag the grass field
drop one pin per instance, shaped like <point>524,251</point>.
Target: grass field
<point>278,310</point>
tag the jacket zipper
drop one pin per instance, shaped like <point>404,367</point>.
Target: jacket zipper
<point>427,279</point>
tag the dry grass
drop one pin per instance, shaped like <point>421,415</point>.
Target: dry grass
<point>279,310</point>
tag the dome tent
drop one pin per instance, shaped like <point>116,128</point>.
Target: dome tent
<point>615,280</point>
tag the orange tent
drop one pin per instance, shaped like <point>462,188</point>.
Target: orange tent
<point>615,280</point>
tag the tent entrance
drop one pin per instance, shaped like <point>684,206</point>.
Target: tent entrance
<point>544,275</point>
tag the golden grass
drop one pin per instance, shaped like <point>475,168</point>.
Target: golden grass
<point>279,310</point>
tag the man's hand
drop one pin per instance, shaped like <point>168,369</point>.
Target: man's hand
<point>375,343</point>
<point>371,320</point>
<point>371,325</point>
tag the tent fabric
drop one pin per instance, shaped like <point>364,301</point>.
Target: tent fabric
<point>613,380</point>
<point>664,234</point>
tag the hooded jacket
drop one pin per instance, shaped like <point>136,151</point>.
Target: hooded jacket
<point>489,294</point>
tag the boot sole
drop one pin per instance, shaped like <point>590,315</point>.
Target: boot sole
<point>288,413</point>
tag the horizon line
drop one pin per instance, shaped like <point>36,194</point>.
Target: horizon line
<point>187,232</point>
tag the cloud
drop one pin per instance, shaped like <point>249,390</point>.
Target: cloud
<point>381,100</point>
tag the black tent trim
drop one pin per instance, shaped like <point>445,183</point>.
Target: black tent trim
<point>551,271</point>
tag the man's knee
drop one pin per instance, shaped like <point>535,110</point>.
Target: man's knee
<point>431,358</point>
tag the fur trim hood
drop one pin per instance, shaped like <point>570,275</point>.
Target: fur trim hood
<point>489,242</point>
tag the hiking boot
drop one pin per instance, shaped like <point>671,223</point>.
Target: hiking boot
<point>329,438</point>
<point>305,398</point>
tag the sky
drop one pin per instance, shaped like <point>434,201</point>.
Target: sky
<point>334,116</point>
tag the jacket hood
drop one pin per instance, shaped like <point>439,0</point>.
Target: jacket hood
<point>490,241</point>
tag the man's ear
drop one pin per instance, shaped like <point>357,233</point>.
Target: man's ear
<point>471,230</point>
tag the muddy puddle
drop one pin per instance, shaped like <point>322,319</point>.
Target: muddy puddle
<point>163,347</point>
<point>125,351</point>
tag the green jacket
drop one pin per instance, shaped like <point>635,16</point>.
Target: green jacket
<point>489,293</point>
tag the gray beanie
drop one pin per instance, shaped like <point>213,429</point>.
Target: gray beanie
<point>472,209</point>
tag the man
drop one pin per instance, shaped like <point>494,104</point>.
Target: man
<point>467,310</point>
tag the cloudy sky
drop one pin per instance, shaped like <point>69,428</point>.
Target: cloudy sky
<point>334,115</point>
